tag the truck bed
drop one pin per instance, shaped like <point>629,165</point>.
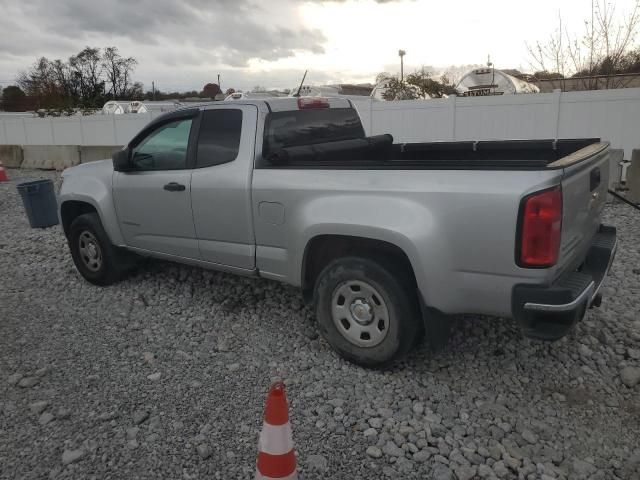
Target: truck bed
<point>379,152</point>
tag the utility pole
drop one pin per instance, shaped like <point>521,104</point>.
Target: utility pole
<point>219,84</point>
<point>493,73</point>
<point>402,54</point>
<point>153,90</point>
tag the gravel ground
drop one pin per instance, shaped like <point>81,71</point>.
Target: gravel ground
<point>164,375</point>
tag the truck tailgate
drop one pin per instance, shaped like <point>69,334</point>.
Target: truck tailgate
<point>584,193</point>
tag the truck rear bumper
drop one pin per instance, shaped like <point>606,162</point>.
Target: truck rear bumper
<point>549,312</point>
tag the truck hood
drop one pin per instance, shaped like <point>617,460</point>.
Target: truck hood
<point>98,168</point>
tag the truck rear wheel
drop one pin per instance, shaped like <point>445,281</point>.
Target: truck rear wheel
<point>97,260</point>
<point>368,312</point>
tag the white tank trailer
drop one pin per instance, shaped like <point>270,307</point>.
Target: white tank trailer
<point>488,81</point>
<point>114,107</point>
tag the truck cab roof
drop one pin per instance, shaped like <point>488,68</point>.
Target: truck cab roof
<point>280,104</point>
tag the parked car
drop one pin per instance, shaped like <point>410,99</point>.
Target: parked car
<point>385,240</point>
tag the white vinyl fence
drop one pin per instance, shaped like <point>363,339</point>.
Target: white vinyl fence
<point>613,115</point>
<point>92,130</point>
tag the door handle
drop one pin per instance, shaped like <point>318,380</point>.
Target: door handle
<point>174,187</point>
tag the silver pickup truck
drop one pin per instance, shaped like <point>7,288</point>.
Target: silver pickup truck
<point>385,240</point>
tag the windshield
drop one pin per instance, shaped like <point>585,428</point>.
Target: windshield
<point>306,127</point>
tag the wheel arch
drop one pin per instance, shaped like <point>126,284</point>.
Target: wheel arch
<point>70,206</point>
<point>72,209</point>
<point>322,249</point>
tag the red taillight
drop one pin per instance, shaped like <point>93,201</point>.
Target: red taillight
<point>540,229</point>
<point>312,102</point>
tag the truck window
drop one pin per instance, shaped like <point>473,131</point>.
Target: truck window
<point>165,148</point>
<point>305,127</point>
<point>219,137</point>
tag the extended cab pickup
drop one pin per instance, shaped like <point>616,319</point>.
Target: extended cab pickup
<point>387,240</point>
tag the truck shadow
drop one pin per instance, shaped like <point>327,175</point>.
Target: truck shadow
<point>487,359</point>
<point>482,345</point>
<point>478,344</point>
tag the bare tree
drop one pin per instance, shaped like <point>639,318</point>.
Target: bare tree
<point>615,38</point>
<point>118,71</point>
<point>40,82</point>
<point>64,78</point>
<point>111,64</point>
<point>135,92</point>
<point>127,66</point>
<point>550,58</point>
<point>87,67</point>
<point>81,80</point>
<point>603,49</point>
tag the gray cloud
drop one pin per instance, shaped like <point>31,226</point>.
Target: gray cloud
<point>187,39</point>
<point>230,31</point>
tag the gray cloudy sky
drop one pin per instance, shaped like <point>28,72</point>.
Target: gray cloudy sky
<point>183,44</point>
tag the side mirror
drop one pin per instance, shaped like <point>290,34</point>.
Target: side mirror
<point>121,161</point>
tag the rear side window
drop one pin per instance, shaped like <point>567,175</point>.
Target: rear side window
<point>306,127</point>
<point>219,138</point>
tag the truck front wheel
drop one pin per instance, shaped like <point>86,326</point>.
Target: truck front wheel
<point>367,311</point>
<point>97,260</point>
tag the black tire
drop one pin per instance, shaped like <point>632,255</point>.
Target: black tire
<point>112,263</point>
<point>403,325</point>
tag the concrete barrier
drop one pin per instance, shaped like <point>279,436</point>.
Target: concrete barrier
<point>50,157</point>
<point>11,155</point>
<point>633,177</point>
<point>89,154</point>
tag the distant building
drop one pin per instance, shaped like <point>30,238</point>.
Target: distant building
<point>363,90</point>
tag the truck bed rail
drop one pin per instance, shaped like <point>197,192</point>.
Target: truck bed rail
<point>379,153</point>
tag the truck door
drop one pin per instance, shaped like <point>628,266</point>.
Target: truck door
<point>153,200</point>
<point>221,185</point>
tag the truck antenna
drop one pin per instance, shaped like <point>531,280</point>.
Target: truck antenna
<point>301,83</point>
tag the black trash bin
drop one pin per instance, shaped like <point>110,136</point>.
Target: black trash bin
<point>40,202</point>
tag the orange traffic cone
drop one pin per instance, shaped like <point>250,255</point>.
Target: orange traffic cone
<point>3,174</point>
<point>276,458</point>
